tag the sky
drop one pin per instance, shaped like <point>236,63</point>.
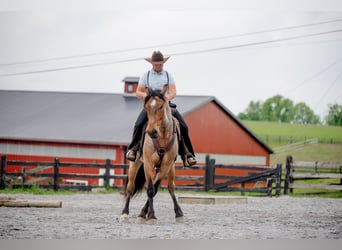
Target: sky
<point>237,55</point>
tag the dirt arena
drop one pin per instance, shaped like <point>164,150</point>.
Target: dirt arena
<point>96,216</point>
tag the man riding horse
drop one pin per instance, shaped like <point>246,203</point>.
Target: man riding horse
<point>155,79</point>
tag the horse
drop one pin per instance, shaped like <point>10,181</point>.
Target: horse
<point>159,152</point>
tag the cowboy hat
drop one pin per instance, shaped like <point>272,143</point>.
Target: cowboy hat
<point>157,58</point>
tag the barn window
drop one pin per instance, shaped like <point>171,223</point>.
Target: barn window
<point>130,88</point>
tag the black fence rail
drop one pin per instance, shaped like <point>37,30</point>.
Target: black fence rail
<point>202,178</point>
<point>55,176</point>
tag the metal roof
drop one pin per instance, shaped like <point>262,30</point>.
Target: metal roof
<point>131,79</point>
<point>98,118</point>
<point>73,117</point>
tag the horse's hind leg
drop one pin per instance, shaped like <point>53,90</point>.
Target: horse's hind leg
<point>132,172</point>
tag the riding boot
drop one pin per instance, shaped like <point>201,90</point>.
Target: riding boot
<point>137,135</point>
<point>187,157</point>
<point>134,145</point>
<point>182,151</point>
<point>132,153</point>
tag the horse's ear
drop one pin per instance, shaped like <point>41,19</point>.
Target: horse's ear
<point>149,91</point>
<point>164,90</point>
<point>149,94</point>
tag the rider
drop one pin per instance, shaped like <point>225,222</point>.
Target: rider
<point>156,78</point>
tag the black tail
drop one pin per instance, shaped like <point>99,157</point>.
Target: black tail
<point>140,180</point>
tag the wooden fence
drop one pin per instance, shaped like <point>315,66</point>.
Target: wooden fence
<point>284,140</point>
<point>302,170</point>
<point>211,176</point>
<point>258,179</point>
<point>56,176</point>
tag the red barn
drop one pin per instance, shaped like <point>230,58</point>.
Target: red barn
<point>92,127</point>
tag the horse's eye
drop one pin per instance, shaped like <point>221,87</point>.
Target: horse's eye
<point>161,107</point>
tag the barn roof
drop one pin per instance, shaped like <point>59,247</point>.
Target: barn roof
<point>99,118</point>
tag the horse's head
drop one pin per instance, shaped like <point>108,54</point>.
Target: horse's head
<point>156,106</point>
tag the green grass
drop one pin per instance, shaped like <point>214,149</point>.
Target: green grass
<point>314,152</point>
<point>316,192</point>
<point>287,129</point>
<point>323,151</point>
<point>277,134</point>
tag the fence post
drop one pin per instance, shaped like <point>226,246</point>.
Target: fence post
<point>269,186</point>
<point>206,174</point>
<point>209,173</point>
<point>288,180</point>
<point>243,189</point>
<point>291,173</point>
<point>23,177</point>
<point>278,179</point>
<point>107,173</point>
<point>341,178</point>
<point>3,172</point>
<point>56,174</point>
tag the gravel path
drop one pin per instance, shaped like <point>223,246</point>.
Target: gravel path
<point>96,216</point>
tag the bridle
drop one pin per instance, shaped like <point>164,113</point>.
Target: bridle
<point>162,150</point>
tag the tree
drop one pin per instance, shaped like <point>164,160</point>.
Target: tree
<point>334,117</point>
<point>302,114</point>
<point>253,112</point>
<point>277,109</point>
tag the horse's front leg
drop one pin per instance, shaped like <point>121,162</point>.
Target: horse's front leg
<point>145,210</point>
<point>150,195</point>
<point>171,189</point>
<point>125,210</point>
<point>147,213</point>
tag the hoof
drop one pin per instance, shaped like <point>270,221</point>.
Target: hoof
<point>180,219</point>
<point>152,221</point>
<point>141,220</point>
<point>124,218</point>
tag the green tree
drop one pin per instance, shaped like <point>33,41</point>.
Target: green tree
<point>242,116</point>
<point>334,117</point>
<point>277,109</point>
<point>302,114</point>
<point>253,112</point>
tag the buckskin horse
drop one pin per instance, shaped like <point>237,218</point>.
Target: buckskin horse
<point>159,152</point>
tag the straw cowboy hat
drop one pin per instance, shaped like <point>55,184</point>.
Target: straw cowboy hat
<point>157,58</point>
